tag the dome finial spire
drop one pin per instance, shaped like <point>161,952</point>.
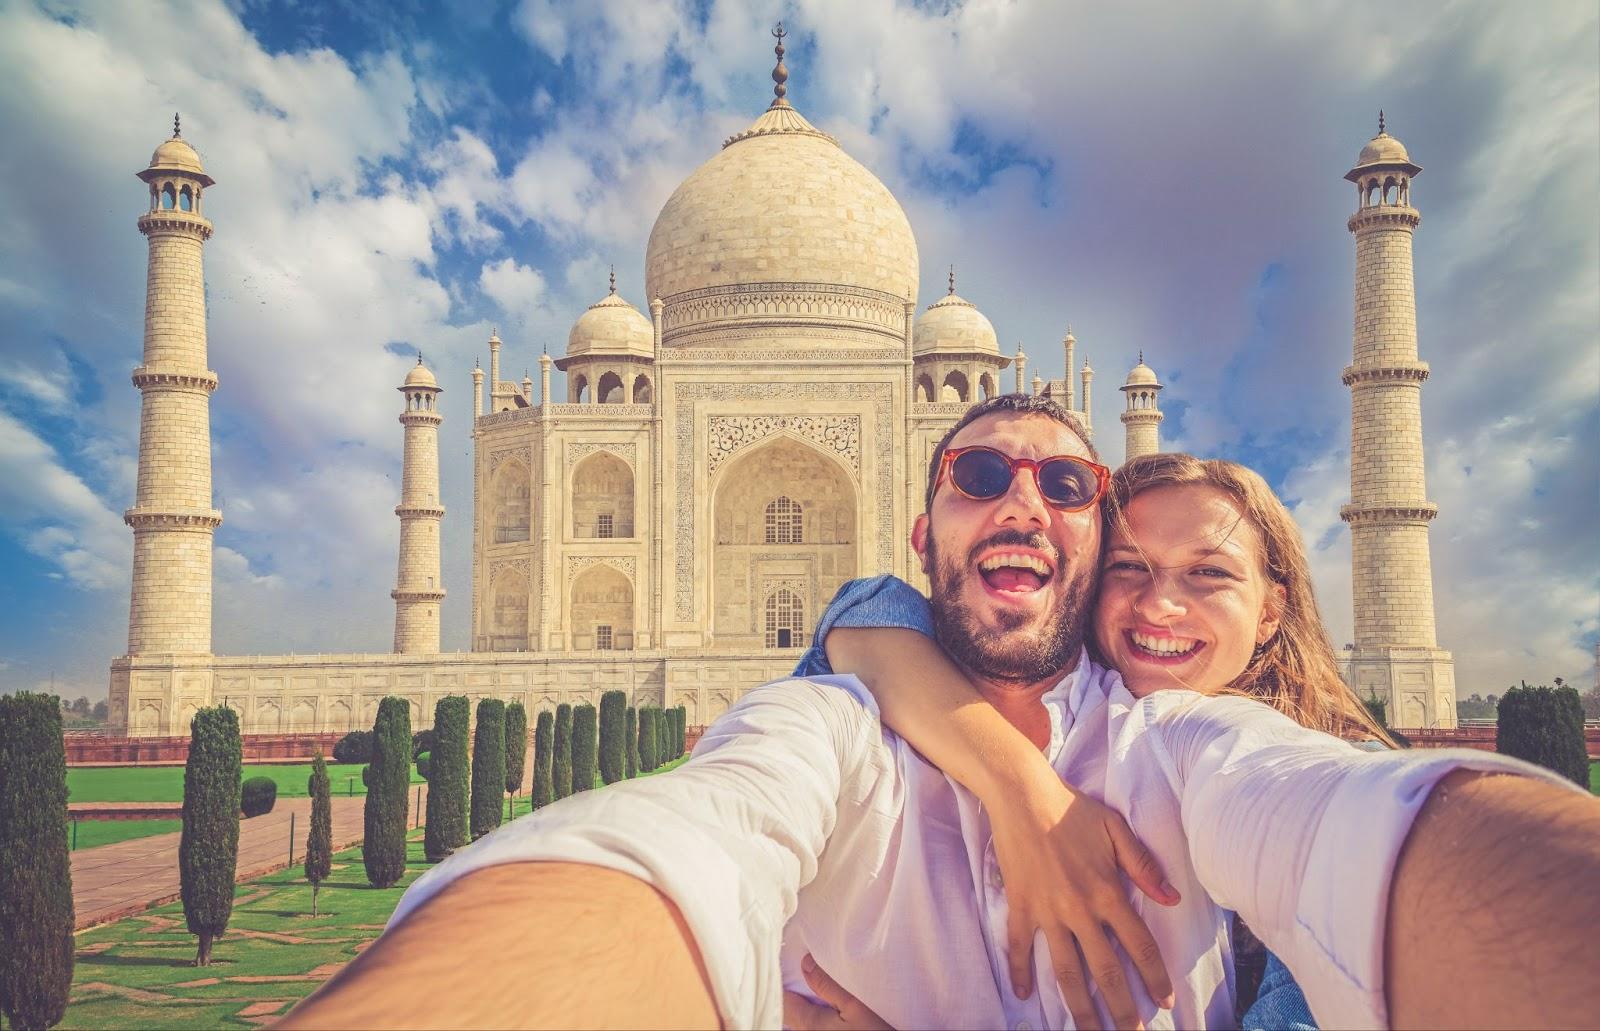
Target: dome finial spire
<point>952,279</point>
<point>175,132</point>
<point>1141,356</point>
<point>780,74</point>
<point>1381,129</point>
<point>419,357</point>
<point>613,279</point>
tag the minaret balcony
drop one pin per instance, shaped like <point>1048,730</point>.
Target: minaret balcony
<point>174,221</point>
<point>173,518</point>
<point>419,511</point>
<point>1390,512</point>
<point>1384,216</point>
<point>157,376</point>
<point>1389,372</point>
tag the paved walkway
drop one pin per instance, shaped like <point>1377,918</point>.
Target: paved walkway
<point>114,881</point>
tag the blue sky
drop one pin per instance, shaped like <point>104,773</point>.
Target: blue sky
<point>394,177</point>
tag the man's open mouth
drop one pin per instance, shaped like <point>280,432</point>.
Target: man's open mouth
<point>1015,572</point>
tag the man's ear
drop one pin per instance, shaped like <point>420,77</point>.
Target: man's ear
<point>919,541</point>
<point>1271,614</point>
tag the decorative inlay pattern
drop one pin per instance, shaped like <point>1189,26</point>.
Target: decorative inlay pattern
<point>880,396</point>
<point>508,565</point>
<point>620,563</point>
<point>785,303</point>
<point>521,454</point>
<point>797,585</point>
<point>624,451</point>
<point>722,355</point>
<point>840,434</point>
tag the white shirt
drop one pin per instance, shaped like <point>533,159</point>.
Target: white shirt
<point>802,825</point>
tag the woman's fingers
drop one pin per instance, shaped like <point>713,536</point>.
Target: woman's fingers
<point>801,1014</point>
<point>1068,966</point>
<point>1019,952</point>
<point>1106,969</point>
<point>1138,862</point>
<point>1140,945</point>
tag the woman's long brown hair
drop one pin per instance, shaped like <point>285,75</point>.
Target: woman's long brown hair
<point>1295,671</point>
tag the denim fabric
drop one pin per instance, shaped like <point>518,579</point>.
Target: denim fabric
<point>873,601</point>
<point>887,601</point>
<point>1280,1004</point>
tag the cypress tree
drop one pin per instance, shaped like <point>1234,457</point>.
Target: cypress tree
<point>447,779</point>
<point>543,748</point>
<point>383,848</point>
<point>319,843</point>
<point>208,850</point>
<point>488,767</point>
<point>648,739</point>
<point>663,737</point>
<point>1544,725</point>
<point>516,747</point>
<point>613,751</point>
<point>680,741</point>
<point>35,868</point>
<point>562,759</point>
<point>583,748</point>
<point>631,739</point>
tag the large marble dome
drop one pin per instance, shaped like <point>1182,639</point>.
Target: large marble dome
<point>781,210</point>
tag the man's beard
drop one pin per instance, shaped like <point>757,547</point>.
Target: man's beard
<point>1011,652</point>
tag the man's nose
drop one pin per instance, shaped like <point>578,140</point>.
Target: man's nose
<point>1022,502</point>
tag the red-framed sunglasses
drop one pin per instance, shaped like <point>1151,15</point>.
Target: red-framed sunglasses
<point>1067,482</point>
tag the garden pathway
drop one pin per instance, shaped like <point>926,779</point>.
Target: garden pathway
<point>114,881</point>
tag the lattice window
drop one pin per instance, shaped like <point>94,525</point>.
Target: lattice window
<point>605,525</point>
<point>785,620</point>
<point>784,522</point>
<point>602,638</point>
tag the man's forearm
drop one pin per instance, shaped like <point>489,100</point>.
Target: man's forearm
<point>1493,907</point>
<point>525,945</point>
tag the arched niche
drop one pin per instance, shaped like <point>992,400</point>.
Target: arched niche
<point>610,390</point>
<point>269,717</point>
<point>303,715</point>
<point>925,387</point>
<point>986,385</point>
<point>602,610</point>
<point>338,716</point>
<point>955,386</point>
<point>745,567</point>
<point>784,619</point>
<point>642,392</point>
<point>511,491</point>
<point>602,497</point>
<point>578,389</point>
<point>508,611</point>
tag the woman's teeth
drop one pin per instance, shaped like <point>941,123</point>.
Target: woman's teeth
<point>1165,645</point>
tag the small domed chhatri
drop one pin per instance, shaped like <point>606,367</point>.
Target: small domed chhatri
<point>611,326</point>
<point>1141,375</point>
<point>953,324</point>
<point>175,155</point>
<point>419,376</point>
<point>1382,153</point>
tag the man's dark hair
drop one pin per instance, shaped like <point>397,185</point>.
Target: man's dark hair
<point>1028,404</point>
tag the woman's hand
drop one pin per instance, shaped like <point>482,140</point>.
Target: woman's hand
<point>1062,855</point>
<point>843,1012</point>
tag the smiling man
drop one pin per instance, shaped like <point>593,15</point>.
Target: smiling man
<point>802,827</point>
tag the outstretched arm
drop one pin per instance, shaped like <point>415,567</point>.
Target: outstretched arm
<point>1497,875</point>
<point>1061,853</point>
<point>492,931</point>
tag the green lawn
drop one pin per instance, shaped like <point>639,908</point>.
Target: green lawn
<point>136,973</point>
<point>165,783</point>
<point>92,833</point>
<point>1594,776</point>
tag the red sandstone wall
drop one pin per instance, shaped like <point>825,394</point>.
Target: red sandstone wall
<point>87,749</point>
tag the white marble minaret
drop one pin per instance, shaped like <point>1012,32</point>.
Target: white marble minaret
<point>172,518</point>
<point>1396,656</point>
<point>418,590</point>
<point>1141,419</point>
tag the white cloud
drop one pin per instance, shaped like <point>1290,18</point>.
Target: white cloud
<point>55,514</point>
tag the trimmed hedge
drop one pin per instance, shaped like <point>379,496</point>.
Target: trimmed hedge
<point>1544,725</point>
<point>488,767</point>
<point>447,779</point>
<point>354,747</point>
<point>613,746</point>
<point>543,747</point>
<point>516,746</point>
<point>422,741</point>
<point>257,796</point>
<point>383,849</point>
<point>631,739</point>
<point>319,843</point>
<point>583,748</point>
<point>208,849</point>
<point>562,758</point>
<point>649,739</point>
<point>35,865</point>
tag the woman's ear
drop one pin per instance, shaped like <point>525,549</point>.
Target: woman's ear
<point>1271,614</point>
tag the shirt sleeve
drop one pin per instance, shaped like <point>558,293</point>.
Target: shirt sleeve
<point>730,837</point>
<point>875,601</point>
<point>1299,833</point>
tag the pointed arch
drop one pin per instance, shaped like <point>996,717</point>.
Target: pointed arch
<point>602,609</point>
<point>579,388</point>
<point>610,390</point>
<point>511,491</point>
<point>602,497</point>
<point>784,619</point>
<point>986,385</point>
<point>642,393</point>
<point>955,387</point>
<point>925,388</point>
<point>508,611</point>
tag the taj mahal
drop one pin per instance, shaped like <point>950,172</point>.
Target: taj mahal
<point>724,457</point>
